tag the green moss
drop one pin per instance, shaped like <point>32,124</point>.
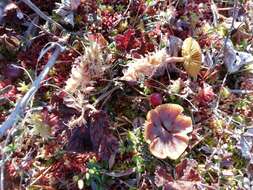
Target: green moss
<point>239,162</point>
<point>8,54</point>
<point>210,141</point>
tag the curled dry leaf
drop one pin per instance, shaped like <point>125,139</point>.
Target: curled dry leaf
<point>186,176</point>
<point>166,129</point>
<point>95,136</point>
<point>246,144</point>
<point>65,10</point>
<point>103,141</point>
<point>192,56</point>
<point>10,42</point>
<point>233,59</point>
<point>174,44</point>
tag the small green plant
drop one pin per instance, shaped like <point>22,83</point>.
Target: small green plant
<point>10,148</point>
<point>142,160</point>
<point>94,177</point>
<point>23,87</point>
<point>39,127</point>
<point>243,104</point>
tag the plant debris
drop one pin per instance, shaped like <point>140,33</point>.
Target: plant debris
<point>126,94</point>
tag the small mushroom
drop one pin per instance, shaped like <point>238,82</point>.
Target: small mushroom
<point>192,57</point>
<point>192,54</point>
<point>166,130</point>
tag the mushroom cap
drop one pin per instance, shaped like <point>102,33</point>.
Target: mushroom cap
<point>191,52</point>
<point>166,130</point>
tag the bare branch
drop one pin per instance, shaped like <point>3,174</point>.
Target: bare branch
<point>21,105</point>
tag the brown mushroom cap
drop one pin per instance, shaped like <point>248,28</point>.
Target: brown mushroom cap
<point>166,130</point>
<point>191,52</point>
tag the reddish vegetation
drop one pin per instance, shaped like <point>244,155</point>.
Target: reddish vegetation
<point>145,94</point>
<point>156,99</point>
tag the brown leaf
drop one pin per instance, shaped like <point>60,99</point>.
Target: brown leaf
<point>180,185</point>
<point>103,142</point>
<point>99,124</point>
<point>162,177</point>
<point>107,147</point>
<point>80,140</point>
<point>186,170</point>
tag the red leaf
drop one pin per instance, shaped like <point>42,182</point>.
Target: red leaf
<point>122,41</point>
<point>99,39</point>
<point>205,95</point>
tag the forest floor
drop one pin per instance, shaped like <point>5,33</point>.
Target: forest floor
<point>126,94</point>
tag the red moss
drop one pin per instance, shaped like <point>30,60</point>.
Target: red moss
<point>205,94</point>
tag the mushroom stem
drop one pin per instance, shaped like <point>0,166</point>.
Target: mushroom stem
<point>175,59</point>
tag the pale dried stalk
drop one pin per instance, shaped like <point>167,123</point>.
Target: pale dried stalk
<point>88,67</point>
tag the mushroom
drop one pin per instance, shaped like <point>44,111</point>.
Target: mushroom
<point>166,130</point>
<point>192,56</point>
<point>191,59</point>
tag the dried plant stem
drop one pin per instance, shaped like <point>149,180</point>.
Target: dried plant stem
<point>41,175</point>
<point>214,13</point>
<point>21,105</point>
<point>225,8</point>
<point>105,95</point>
<point>215,111</point>
<point>41,14</point>
<point>175,60</point>
<point>235,13</point>
<point>237,91</point>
